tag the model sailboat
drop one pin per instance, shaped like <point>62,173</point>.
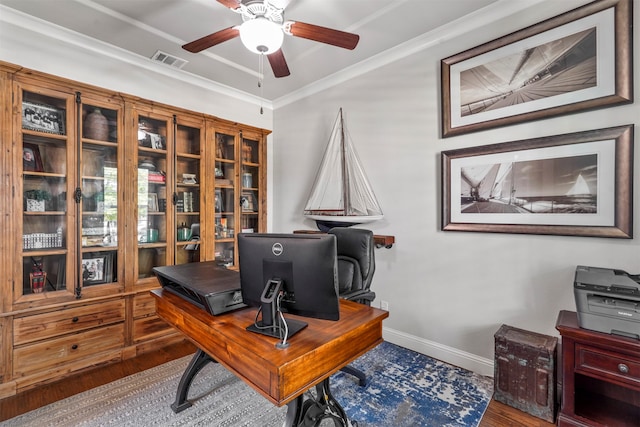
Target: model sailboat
<point>341,194</point>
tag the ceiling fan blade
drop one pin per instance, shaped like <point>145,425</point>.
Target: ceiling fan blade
<point>231,4</point>
<point>212,39</point>
<point>324,35</point>
<point>278,64</point>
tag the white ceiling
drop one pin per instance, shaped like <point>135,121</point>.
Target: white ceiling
<point>145,26</point>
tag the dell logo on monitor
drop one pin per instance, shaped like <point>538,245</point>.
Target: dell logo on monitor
<point>277,249</point>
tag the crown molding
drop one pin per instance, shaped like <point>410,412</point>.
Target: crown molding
<point>473,21</point>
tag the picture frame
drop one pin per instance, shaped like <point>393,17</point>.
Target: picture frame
<point>31,160</point>
<point>507,80</point>
<point>248,202</point>
<point>153,202</point>
<point>43,118</point>
<point>219,201</point>
<point>577,184</point>
<point>97,268</point>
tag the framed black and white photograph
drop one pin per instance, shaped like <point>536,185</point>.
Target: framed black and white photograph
<point>578,184</point>
<point>31,160</point>
<point>248,202</point>
<point>153,202</point>
<point>42,118</point>
<point>219,200</point>
<point>97,268</point>
<point>576,61</point>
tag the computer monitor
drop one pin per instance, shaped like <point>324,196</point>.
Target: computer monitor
<point>297,273</point>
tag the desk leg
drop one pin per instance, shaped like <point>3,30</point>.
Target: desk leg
<point>294,412</point>
<point>307,413</point>
<point>200,359</point>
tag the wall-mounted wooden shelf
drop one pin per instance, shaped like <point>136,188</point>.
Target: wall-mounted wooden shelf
<point>380,240</point>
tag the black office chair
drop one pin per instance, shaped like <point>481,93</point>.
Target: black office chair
<point>356,265</point>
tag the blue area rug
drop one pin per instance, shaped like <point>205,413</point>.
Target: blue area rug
<point>407,388</point>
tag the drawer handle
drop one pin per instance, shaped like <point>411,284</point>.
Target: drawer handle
<point>623,368</point>
<point>74,347</point>
<point>75,319</point>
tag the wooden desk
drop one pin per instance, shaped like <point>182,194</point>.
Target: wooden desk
<point>280,375</point>
<point>600,375</point>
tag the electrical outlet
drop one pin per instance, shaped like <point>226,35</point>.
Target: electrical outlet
<point>384,305</point>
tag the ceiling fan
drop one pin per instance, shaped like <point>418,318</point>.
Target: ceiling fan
<point>263,29</point>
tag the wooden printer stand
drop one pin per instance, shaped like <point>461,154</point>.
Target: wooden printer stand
<point>601,376</point>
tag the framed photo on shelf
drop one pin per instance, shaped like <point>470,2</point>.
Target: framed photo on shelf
<point>42,118</point>
<point>153,202</point>
<point>578,184</point>
<point>248,202</point>
<point>576,61</point>
<point>31,160</point>
<point>97,268</point>
<point>219,201</point>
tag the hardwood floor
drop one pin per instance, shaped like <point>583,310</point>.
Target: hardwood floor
<point>497,415</point>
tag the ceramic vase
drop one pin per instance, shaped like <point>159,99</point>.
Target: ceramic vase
<point>96,126</point>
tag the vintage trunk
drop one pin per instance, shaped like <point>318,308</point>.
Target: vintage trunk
<point>524,371</point>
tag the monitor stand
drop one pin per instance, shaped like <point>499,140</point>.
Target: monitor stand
<point>277,331</point>
<point>272,320</point>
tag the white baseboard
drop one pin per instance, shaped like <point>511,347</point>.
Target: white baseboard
<point>471,362</point>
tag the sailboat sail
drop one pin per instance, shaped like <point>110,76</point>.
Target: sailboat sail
<point>341,192</point>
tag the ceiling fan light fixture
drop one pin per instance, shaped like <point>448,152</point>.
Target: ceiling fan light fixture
<point>260,35</point>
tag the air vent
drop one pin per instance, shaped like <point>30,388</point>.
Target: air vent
<point>172,61</point>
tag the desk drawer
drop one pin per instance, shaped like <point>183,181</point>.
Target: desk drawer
<point>47,325</point>
<point>148,328</point>
<point>70,349</point>
<point>607,364</point>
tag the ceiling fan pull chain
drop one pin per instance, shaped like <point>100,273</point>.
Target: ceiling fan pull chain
<point>260,78</point>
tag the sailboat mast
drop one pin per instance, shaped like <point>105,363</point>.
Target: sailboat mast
<point>345,176</point>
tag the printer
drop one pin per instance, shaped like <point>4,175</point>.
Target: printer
<point>608,301</point>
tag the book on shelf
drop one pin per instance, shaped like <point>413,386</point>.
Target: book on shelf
<point>187,201</point>
<point>154,176</point>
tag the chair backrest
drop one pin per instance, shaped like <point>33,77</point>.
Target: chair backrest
<point>356,258</point>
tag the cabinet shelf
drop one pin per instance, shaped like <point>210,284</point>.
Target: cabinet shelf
<point>87,249</point>
<point>188,156</point>
<point>43,252</point>
<point>34,133</point>
<point>91,143</point>
<point>45,213</point>
<point>32,175</point>
<point>152,151</point>
<point>152,245</point>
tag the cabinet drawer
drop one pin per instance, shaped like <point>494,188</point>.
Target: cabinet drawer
<point>144,305</point>
<point>608,364</point>
<point>73,348</point>
<point>75,319</point>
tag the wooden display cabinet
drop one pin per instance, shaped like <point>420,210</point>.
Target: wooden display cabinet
<point>86,164</point>
<point>240,177</point>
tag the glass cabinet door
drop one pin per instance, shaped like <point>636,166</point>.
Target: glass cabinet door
<point>99,185</point>
<point>225,198</point>
<point>47,164</point>
<point>189,176</point>
<point>250,184</point>
<point>153,199</point>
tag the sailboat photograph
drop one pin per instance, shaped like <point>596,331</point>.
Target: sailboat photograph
<point>341,194</point>
<point>560,185</point>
